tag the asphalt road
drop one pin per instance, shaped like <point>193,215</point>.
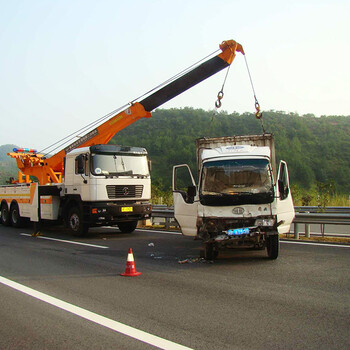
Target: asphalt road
<point>240,301</point>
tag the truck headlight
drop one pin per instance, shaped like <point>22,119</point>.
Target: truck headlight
<point>265,222</point>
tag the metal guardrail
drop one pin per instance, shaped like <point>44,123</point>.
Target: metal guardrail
<point>319,218</point>
<point>322,218</point>
<point>315,209</point>
<point>303,215</point>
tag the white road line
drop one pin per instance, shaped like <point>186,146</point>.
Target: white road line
<point>65,241</point>
<point>101,320</point>
<point>147,230</point>
<point>155,231</point>
<point>319,244</point>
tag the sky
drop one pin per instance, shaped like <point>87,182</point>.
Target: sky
<point>66,63</point>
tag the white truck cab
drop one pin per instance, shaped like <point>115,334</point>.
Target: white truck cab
<point>109,185</point>
<point>239,201</point>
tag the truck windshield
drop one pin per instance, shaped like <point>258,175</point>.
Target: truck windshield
<point>119,165</point>
<point>236,181</point>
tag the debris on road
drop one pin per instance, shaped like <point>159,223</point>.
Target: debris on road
<point>195,260</point>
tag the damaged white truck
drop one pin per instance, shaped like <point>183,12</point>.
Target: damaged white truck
<point>241,200</point>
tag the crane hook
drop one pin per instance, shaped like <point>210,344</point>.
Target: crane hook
<point>258,114</point>
<point>218,101</point>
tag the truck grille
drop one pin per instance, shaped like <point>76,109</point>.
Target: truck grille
<point>127,191</point>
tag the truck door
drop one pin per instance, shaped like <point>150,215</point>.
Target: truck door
<point>285,206</point>
<point>185,203</point>
<point>81,174</point>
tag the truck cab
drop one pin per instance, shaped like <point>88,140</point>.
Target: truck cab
<point>106,185</point>
<point>239,201</point>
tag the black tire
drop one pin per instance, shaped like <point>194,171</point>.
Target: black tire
<point>5,215</point>
<point>16,219</point>
<point>75,222</point>
<point>273,246</point>
<point>210,251</point>
<point>127,227</point>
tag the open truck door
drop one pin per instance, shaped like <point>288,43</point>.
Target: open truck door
<point>285,206</point>
<point>185,203</point>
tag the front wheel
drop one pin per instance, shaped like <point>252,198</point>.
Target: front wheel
<point>5,215</point>
<point>75,222</point>
<point>127,227</point>
<point>272,246</point>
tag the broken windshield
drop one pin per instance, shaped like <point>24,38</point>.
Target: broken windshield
<point>236,176</point>
<point>119,165</point>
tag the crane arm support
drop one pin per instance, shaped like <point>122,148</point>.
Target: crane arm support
<point>103,133</point>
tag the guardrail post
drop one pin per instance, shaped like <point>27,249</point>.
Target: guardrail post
<point>167,223</point>
<point>307,230</point>
<point>296,230</point>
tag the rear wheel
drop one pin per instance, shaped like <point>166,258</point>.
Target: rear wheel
<point>75,222</point>
<point>16,219</point>
<point>273,246</point>
<point>127,227</point>
<point>5,215</point>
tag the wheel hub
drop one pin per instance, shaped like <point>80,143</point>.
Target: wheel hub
<point>74,222</point>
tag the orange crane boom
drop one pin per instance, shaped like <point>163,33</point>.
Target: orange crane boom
<point>50,170</point>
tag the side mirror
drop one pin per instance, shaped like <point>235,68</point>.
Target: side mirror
<point>283,190</point>
<point>80,163</point>
<point>191,191</point>
<point>190,194</point>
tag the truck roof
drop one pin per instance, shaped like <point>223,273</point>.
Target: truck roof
<point>110,149</point>
<point>250,143</point>
<point>235,151</point>
<point>118,149</point>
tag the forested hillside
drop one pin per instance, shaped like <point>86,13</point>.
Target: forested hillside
<point>316,149</point>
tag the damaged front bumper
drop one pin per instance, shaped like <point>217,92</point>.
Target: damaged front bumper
<point>242,233</point>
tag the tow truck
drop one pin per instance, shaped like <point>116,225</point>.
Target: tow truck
<point>90,182</point>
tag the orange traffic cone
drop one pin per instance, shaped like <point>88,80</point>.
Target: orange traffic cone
<point>130,270</point>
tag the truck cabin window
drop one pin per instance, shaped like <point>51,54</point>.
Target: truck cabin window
<point>236,181</point>
<point>81,164</point>
<point>119,165</point>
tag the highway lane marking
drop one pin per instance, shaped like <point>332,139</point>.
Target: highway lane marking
<point>93,317</point>
<point>65,241</point>
<point>318,244</point>
<point>155,231</point>
<point>147,230</point>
